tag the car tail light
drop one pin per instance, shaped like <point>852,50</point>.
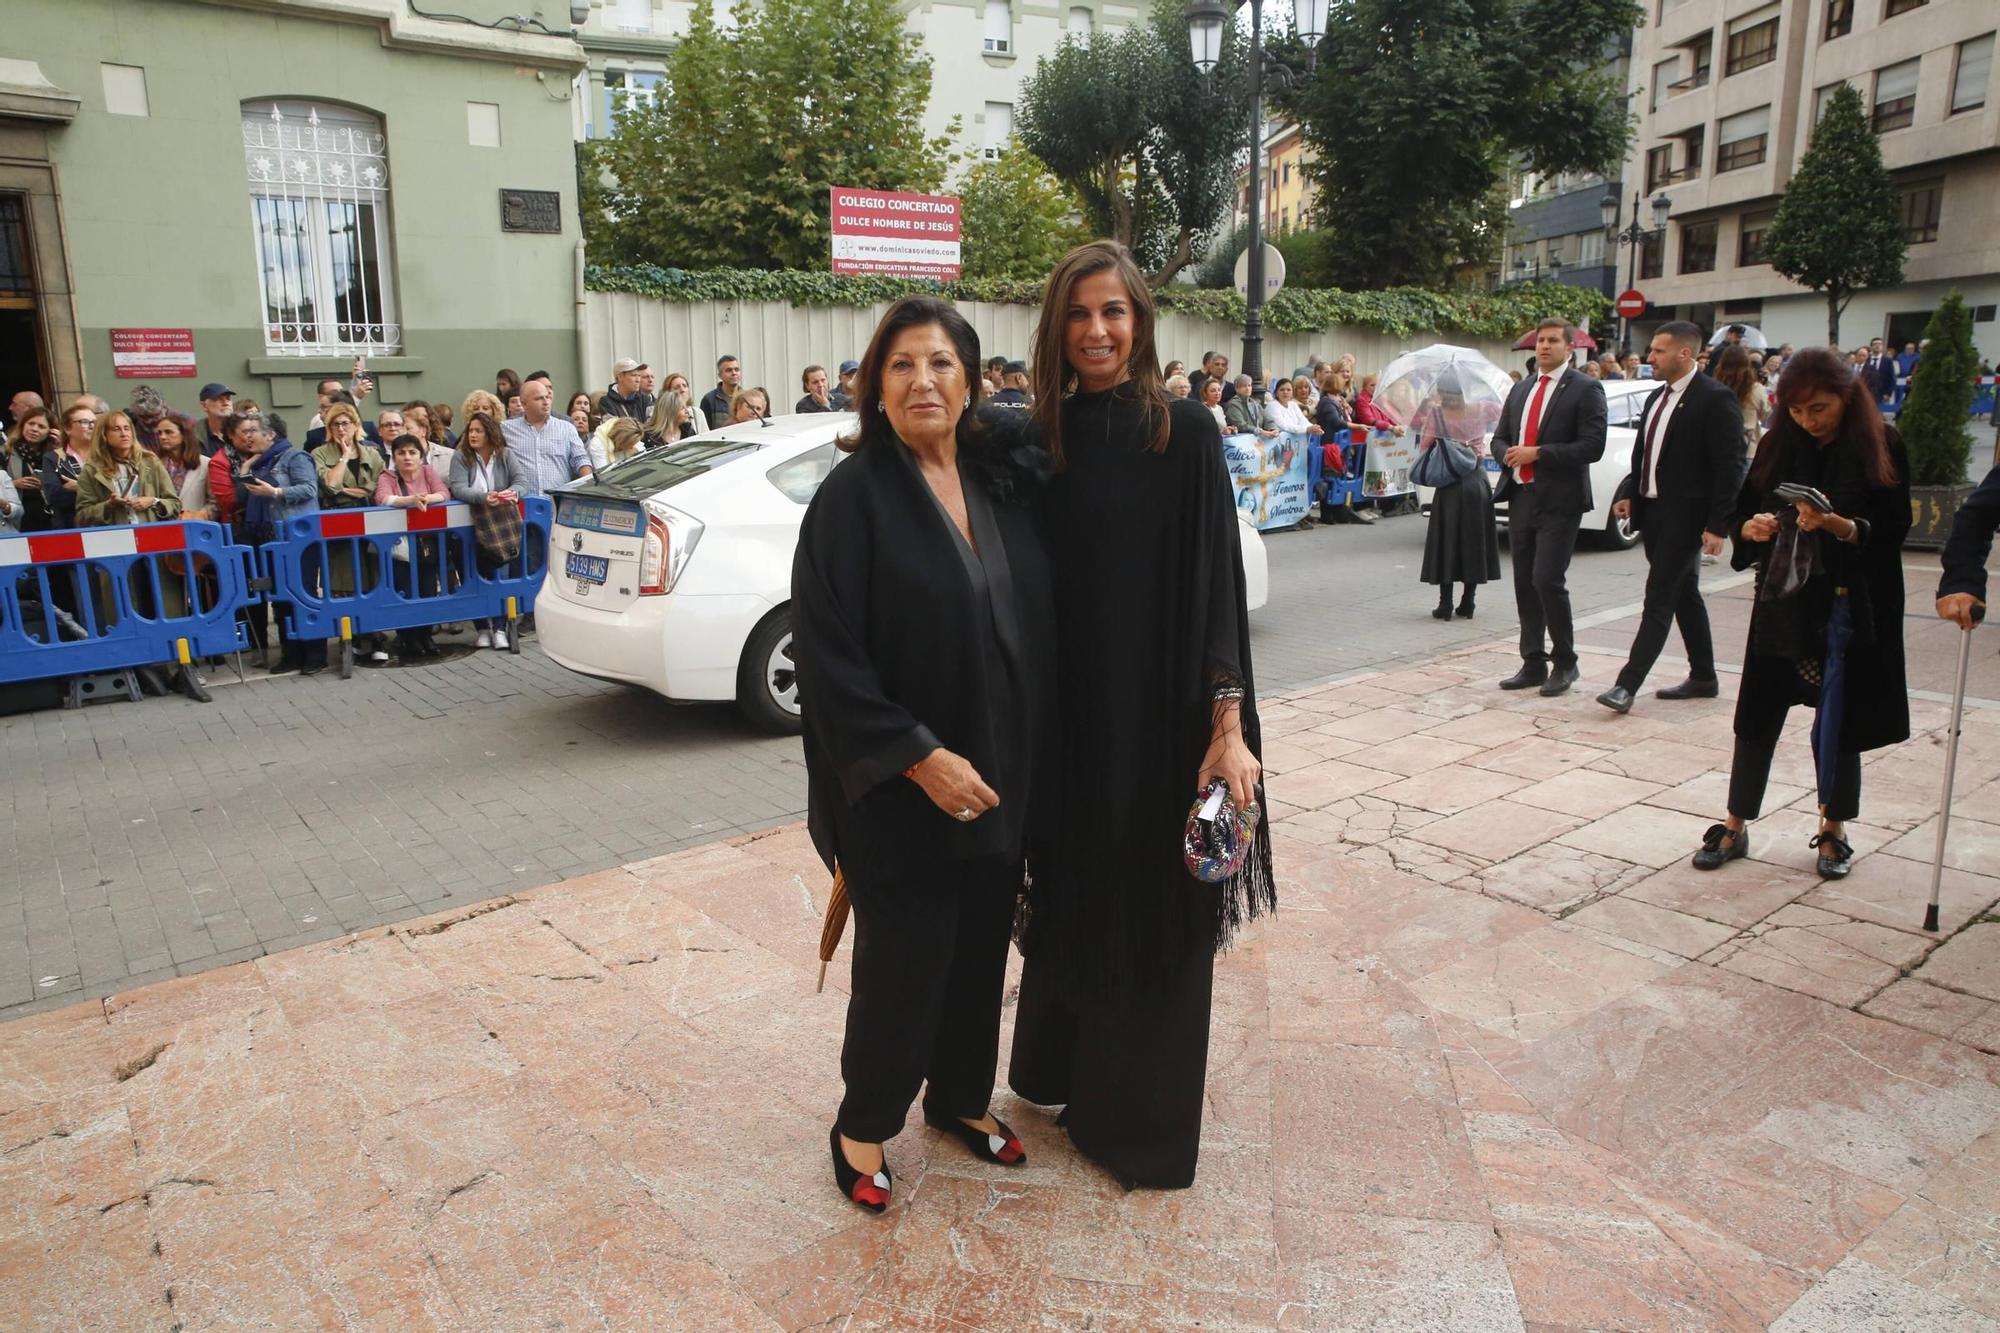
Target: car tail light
<point>671,537</point>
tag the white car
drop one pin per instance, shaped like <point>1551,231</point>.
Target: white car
<point>673,570</point>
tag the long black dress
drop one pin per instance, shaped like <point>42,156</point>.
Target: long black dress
<point>1120,939</point>
<point>1462,544</point>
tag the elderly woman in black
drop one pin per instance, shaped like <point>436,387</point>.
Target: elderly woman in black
<point>1826,629</point>
<point>922,630</point>
<point>1153,654</point>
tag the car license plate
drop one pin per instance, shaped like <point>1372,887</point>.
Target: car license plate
<point>587,568</point>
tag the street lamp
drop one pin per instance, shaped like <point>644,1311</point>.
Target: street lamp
<point>1208,22</point>
<point>1633,236</point>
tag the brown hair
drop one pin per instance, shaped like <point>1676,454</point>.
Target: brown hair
<point>1558,322</point>
<point>912,312</point>
<point>16,431</point>
<point>1817,370</point>
<point>1734,371</point>
<point>1054,377</point>
<point>494,439</point>
<point>189,453</point>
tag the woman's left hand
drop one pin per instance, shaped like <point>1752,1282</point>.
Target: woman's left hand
<point>1811,520</point>
<point>1230,759</point>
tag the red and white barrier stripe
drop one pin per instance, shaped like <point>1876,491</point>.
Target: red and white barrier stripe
<point>50,548</point>
<point>383,522</point>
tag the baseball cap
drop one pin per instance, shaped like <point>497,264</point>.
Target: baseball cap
<point>625,365</point>
<point>849,367</point>
<point>216,391</point>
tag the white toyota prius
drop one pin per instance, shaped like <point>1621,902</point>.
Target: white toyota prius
<point>673,570</point>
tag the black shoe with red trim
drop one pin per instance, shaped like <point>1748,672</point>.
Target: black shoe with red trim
<point>870,1191</point>
<point>1003,1148</point>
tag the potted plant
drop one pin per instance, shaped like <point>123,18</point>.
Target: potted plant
<point>1933,422</point>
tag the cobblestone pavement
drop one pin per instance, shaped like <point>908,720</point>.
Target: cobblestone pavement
<point>156,839</point>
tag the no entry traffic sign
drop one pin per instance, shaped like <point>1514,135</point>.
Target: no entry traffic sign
<point>1631,303</point>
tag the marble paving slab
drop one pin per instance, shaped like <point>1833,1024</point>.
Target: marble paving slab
<point>1503,1061</point>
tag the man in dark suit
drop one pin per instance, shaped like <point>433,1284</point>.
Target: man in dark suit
<point>1687,465</point>
<point>1879,372</point>
<point>1550,432</point>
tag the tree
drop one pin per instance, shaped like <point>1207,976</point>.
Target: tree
<point>1417,106</point>
<point>1017,219</point>
<point>1124,120</point>
<point>734,163</point>
<point>1933,416</point>
<point>1839,228</point>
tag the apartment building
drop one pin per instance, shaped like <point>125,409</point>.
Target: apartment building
<point>1727,92</point>
<point>980,50</point>
<point>1287,196</point>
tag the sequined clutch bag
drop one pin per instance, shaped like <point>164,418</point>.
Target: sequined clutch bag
<point>1218,835</point>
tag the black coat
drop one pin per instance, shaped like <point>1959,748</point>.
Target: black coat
<point>1701,462</point>
<point>1570,437</point>
<point>1971,539</point>
<point>897,656</point>
<point>1878,704</point>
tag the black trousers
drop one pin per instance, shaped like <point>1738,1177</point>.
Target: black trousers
<point>1131,1073</point>
<point>1540,546</point>
<point>930,961</point>
<point>1750,774</point>
<point>1673,594</point>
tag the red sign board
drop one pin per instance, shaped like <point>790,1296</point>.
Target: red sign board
<point>1631,303</point>
<point>145,354</point>
<point>904,235</point>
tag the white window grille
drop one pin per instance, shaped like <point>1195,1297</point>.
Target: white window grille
<point>999,27</point>
<point>319,203</point>
<point>1975,71</point>
<point>999,129</point>
<point>634,16</point>
<point>626,89</point>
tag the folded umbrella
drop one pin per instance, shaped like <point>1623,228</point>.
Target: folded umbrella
<point>835,925</point>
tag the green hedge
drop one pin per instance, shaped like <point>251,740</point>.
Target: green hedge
<point>1400,311</point>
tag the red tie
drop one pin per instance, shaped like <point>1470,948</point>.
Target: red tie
<point>1653,438</point>
<point>1532,427</point>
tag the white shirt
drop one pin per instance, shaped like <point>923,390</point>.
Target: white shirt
<point>1547,392</point>
<point>1288,417</point>
<point>1656,431</point>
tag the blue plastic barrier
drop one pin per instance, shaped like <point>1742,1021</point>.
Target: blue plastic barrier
<point>91,600</point>
<point>336,573</point>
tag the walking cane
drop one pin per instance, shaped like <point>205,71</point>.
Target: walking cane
<point>1950,767</point>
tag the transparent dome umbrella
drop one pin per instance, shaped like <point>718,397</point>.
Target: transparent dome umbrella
<point>1414,380</point>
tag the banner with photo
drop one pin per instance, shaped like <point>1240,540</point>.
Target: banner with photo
<point>1386,468</point>
<point>1270,478</point>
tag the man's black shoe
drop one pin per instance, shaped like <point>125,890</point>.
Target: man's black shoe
<point>1719,845</point>
<point>1529,677</point>
<point>1836,857</point>
<point>1559,681</point>
<point>1618,699</point>
<point>1692,688</point>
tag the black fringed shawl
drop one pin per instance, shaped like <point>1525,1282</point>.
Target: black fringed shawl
<point>1150,624</point>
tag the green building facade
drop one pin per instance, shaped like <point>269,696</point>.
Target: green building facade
<point>293,182</point>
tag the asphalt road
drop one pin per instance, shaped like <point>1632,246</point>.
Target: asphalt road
<point>160,838</point>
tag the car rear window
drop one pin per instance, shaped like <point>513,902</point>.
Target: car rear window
<point>655,470</point>
<point>800,477</point>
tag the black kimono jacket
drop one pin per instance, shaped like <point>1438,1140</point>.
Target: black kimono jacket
<point>906,641</point>
<point>1878,705</point>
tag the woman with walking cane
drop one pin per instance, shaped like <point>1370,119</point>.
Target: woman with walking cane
<point>923,630</point>
<point>1822,515</point>
<point>1961,599</point>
